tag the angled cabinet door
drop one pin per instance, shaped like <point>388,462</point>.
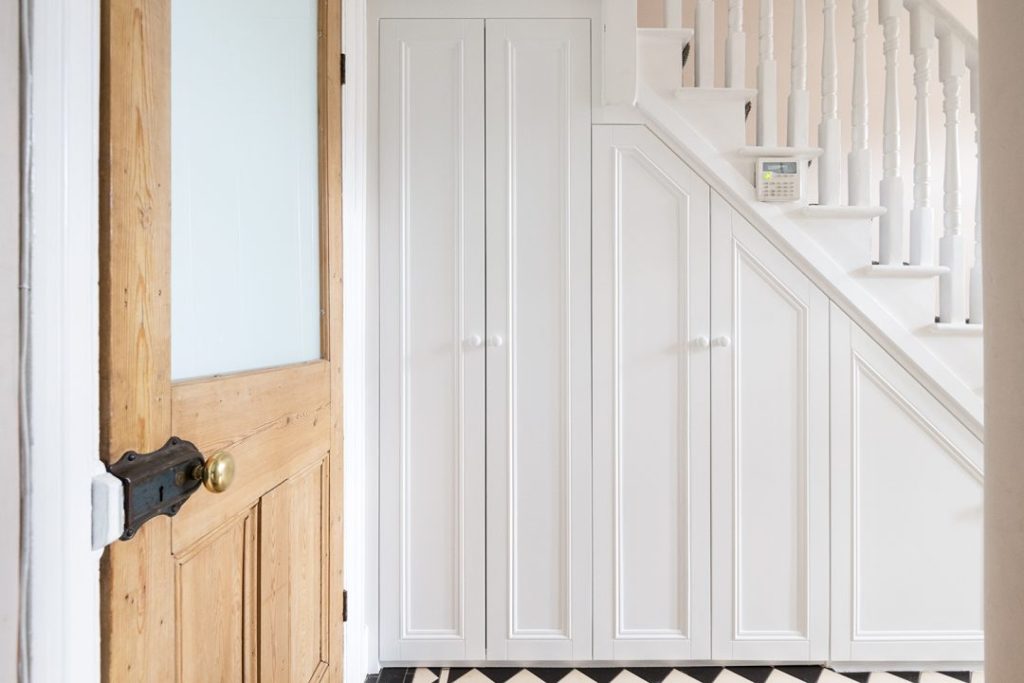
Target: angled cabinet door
<point>652,587</point>
<point>770,457</point>
<point>538,340</point>
<point>431,340</point>
<point>906,514</point>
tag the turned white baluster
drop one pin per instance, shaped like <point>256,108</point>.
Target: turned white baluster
<point>977,309</point>
<point>673,13</point>
<point>735,48</point>
<point>922,217</point>
<point>767,80</point>
<point>890,225</point>
<point>952,302</point>
<point>704,37</point>
<point>830,129</point>
<point>860,156</point>
<point>798,125</point>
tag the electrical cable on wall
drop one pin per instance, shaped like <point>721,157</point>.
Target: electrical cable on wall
<point>24,334</point>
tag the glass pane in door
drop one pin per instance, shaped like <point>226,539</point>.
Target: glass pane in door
<point>244,185</point>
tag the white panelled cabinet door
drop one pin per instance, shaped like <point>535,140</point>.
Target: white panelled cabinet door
<point>432,356</point>
<point>906,514</point>
<point>538,340</point>
<point>770,457</point>
<point>651,401</point>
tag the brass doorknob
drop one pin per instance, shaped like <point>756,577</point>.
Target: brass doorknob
<point>217,472</point>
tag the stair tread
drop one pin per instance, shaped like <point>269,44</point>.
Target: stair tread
<point>842,212</point>
<point>781,151</point>
<point>684,34</point>
<point>956,329</point>
<point>903,270</point>
<point>723,94</point>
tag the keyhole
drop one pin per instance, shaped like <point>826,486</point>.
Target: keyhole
<point>161,494</point>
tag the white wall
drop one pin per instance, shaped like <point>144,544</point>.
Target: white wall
<point>9,221</point>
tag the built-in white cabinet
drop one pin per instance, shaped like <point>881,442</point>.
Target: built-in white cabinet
<point>769,450</point>
<point>616,422</point>
<point>652,391</point>
<point>432,329</point>
<point>906,513</point>
<point>485,442</point>
<point>538,340</point>
<point>710,423</point>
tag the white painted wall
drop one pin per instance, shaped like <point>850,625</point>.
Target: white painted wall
<point>9,328</point>
<point>64,605</point>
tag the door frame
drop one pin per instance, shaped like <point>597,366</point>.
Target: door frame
<point>62,120</point>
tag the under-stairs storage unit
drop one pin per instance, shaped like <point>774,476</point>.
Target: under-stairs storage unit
<point>617,421</point>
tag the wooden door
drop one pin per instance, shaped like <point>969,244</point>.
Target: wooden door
<point>538,340</point>
<point>244,585</point>
<point>769,416</point>
<point>652,388</point>
<point>432,339</point>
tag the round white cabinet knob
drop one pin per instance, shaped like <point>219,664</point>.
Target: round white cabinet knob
<point>722,341</point>
<point>476,341</point>
<point>702,342</point>
<point>495,340</point>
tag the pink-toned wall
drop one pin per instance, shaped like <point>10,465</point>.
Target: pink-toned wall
<point>1002,147</point>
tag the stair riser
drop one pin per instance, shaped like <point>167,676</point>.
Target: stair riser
<point>848,242</point>
<point>912,301</point>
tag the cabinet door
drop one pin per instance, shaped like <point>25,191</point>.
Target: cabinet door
<point>431,348</point>
<point>651,410</point>
<point>907,499</point>
<point>770,457</point>
<point>538,352</point>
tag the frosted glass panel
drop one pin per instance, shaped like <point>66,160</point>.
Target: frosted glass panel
<point>244,185</point>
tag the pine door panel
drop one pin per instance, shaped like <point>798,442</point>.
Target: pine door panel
<point>293,581</point>
<point>538,339</point>
<point>651,415</point>
<point>432,327</point>
<point>770,451</point>
<point>246,584</point>
<point>219,644</point>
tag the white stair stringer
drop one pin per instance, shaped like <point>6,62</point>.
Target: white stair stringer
<point>833,247</point>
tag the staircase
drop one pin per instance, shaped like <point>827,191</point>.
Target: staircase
<point>893,255</point>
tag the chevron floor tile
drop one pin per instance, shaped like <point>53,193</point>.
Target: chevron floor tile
<point>701,674</point>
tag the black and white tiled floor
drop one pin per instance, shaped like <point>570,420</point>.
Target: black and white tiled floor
<point>702,674</point>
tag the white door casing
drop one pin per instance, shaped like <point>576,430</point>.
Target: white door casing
<point>906,513</point>
<point>652,386</point>
<point>769,413</point>
<point>538,339</point>
<point>432,339</point>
